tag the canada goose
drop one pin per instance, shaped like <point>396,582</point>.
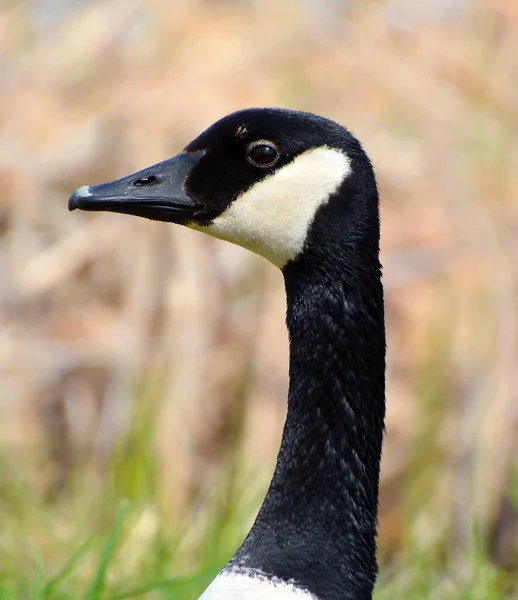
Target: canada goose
<point>299,190</point>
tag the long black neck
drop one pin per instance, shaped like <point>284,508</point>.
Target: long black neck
<point>317,525</point>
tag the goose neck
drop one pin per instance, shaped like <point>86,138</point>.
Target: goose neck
<point>317,525</point>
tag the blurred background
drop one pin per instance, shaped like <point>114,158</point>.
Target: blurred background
<point>143,367</point>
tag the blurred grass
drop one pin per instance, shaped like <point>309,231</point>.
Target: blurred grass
<point>143,368</point>
<point>107,547</point>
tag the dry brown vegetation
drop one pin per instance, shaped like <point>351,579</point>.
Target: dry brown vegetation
<point>105,316</point>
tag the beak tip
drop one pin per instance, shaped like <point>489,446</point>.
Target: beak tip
<point>75,200</point>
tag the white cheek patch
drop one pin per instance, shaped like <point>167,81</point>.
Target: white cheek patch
<point>273,217</point>
<point>239,586</point>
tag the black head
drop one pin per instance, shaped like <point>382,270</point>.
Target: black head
<point>267,179</point>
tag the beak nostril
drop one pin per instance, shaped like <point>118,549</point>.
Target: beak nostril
<point>144,181</point>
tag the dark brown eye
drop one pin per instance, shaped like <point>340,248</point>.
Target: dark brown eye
<point>262,154</point>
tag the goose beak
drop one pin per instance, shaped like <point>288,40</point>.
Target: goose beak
<point>154,193</point>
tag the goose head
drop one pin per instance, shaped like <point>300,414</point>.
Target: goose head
<point>257,178</point>
<point>298,190</point>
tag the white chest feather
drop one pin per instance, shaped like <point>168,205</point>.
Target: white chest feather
<point>240,586</point>
<point>273,217</point>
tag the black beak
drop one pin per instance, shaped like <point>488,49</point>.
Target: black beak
<point>154,193</point>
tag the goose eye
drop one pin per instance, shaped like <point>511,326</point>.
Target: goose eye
<point>262,154</point>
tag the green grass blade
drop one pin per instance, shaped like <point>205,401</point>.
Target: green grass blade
<point>168,583</point>
<point>68,568</point>
<point>94,591</point>
<point>39,591</point>
<point>177,587</point>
